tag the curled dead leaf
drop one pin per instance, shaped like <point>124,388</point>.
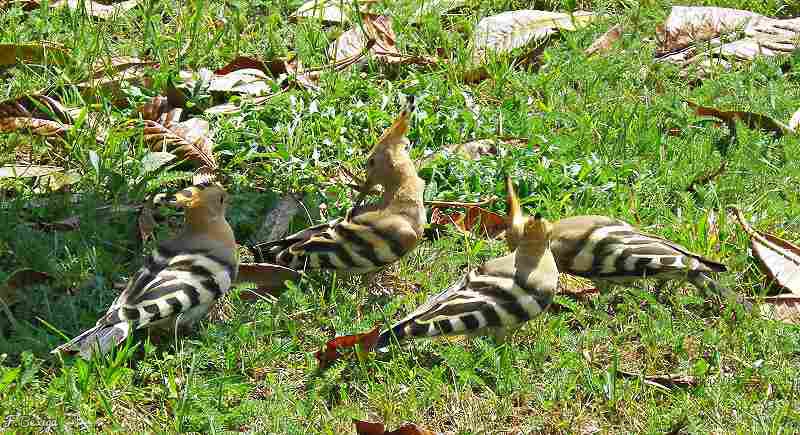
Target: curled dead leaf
<point>367,428</point>
<point>95,9</point>
<point>604,43</point>
<point>35,126</point>
<point>752,120</point>
<point>704,37</point>
<point>268,278</point>
<point>364,343</point>
<point>664,381</point>
<point>778,258</point>
<point>35,106</point>
<point>188,140</point>
<point>487,223</point>
<point>377,38</point>
<point>784,308</point>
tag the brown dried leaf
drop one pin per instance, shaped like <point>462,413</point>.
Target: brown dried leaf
<point>160,110</point>
<point>35,106</point>
<point>35,126</point>
<point>95,9</point>
<point>665,381</point>
<point>33,52</point>
<point>147,223</point>
<point>785,308</point>
<point>9,291</point>
<point>752,120</point>
<point>113,76</point>
<point>702,36</point>
<point>26,5</point>
<point>367,428</point>
<point>279,68</point>
<point>778,258</point>
<point>603,44</point>
<point>188,139</point>
<point>378,38</point>
<point>487,223</point>
<point>365,342</point>
<point>277,222</point>
<point>268,278</point>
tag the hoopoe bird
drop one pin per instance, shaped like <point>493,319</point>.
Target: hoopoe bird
<point>610,251</point>
<point>181,278</point>
<point>368,237</point>
<point>496,297</point>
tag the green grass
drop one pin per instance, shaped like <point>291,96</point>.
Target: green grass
<point>598,144</point>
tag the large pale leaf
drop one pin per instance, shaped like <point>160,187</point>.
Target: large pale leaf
<point>780,259</point>
<point>701,37</point>
<point>95,9</point>
<point>32,53</point>
<point>327,11</point>
<point>510,30</point>
<point>188,140</point>
<point>785,307</point>
<point>27,171</point>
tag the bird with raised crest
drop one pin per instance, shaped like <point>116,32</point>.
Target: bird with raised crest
<point>180,280</point>
<point>498,296</point>
<point>368,237</point>
<point>610,251</point>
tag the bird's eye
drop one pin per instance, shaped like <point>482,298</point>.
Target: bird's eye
<point>371,162</point>
<point>222,200</point>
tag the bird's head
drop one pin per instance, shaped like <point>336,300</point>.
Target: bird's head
<point>206,199</point>
<point>389,158</point>
<point>524,229</point>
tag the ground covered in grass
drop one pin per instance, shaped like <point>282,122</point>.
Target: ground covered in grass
<point>608,134</point>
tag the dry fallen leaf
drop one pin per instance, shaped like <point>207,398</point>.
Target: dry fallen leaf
<point>365,342</point>
<point>784,308</point>
<point>278,220</point>
<point>112,76</point>
<point>367,428</point>
<point>752,120</point>
<point>147,223</point>
<point>701,37</point>
<point>511,30</point>
<point>327,11</point>
<point>794,123</point>
<point>35,126</point>
<point>604,43</point>
<point>95,9</point>
<point>26,5</point>
<point>268,278</point>
<point>665,381</point>
<point>486,223</point>
<point>188,139</point>
<point>378,38</point>
<point>287,70</point>
<point>778,258</point>
<point>160,110</point>
<point>35,106</point>
<point>27,171</point>
<point>32,53</point>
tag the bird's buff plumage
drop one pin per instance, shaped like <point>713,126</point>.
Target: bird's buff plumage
<point>367,237</point>
<point>180,279</point>
<point>501,294</point>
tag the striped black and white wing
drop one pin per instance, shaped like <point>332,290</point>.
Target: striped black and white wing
<point>621,252</point>
<point>173,283</point>
<point>478,301</point>
<point>359,244</point>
